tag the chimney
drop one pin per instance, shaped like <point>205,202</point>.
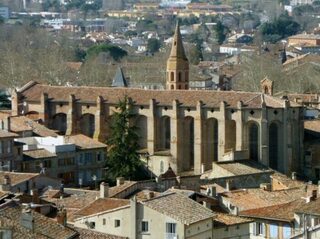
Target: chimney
<point>202,168</point>
<point>104,190</point>
<point>35,195</point>
<point>6,185</point>
<point>62,216</point>
<point>26,219</point>
<point>213,191</point>
<point>294,176</point>
<point>228,185</point>
<point>120,181</point>
<point>150,194</point>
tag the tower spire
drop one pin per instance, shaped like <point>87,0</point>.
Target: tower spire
<point>177,64</point>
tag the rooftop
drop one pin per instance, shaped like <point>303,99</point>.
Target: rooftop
<point>247,199</point>
<point>90,234</point>
<point>312,207</point>
<point>16,178</point>
<point>6,134</point>
<point>38,154</point>
<point>181,208</point>
<point>44,227</point>
<point>223,219</point>
<point>84,142</point>
<point>102,205</point>
<point>237,168</point>
<point>33,91</point>
<point>279,212</point>
<point>305,36</point>
<point>23,123</point>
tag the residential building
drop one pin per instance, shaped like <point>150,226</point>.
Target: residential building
<point>304,39</point>
<point>301,2</point>
<point>24,182</point>
<point>152,218</point>
<point>8,155</point>
<point>75,159</point>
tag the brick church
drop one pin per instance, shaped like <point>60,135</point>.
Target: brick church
<point>186,129</point>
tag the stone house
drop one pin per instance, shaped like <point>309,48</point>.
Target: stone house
<point>153,218</point>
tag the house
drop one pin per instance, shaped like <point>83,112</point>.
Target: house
<point>75,158</point>
<point>304,39</point>
<point>22,222</point>
<point>8,154</point>
<point>184,218</point>
<point>24,182</point>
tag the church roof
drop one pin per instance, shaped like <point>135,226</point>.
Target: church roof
<point>119,80</point>
<point>177,50</point>
<point>187,98</point>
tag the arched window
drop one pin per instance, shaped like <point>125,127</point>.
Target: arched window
<point>171,76</point>
<point>59,123</point>
<point>253,141</point>
<point>172,87</point>
<point>87,125</point>
<point>273,146</point>
<point>179,87</point>
<point>142,127</point>
<point>179,77</point>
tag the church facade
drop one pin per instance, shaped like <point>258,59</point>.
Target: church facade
<point>186,129</point>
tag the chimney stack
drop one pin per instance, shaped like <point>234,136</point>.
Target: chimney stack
<point>26,219</point>
<point>228,185</point>
<point>62,216</point>
<point>212,191</point>
<point>35,195</point>
<point>120,181</point>
<point>104,190</point>
<point>6,185</point>
<point>294,176</point>
<point>150,195</point>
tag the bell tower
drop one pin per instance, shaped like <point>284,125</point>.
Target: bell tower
<point>177,65</point>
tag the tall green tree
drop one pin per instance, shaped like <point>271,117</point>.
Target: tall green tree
<point>221,32</point>
<point>123,159</point>
<point>153,45</point>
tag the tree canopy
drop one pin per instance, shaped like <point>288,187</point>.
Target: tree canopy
<point>153,45</point>
<point>123,159</point>
<point>115,52</point>
<point>282,27</point>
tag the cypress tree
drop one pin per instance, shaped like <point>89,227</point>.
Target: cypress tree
<point>123,159</point>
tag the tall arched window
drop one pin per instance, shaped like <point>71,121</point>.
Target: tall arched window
<point>171,76</point>
<point>253,141</point>
<point>273,146</point>
<point>179,77</point>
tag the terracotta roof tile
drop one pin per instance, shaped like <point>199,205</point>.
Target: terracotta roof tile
<point>43,226</point>
<point>140,96</point>
<point>84,142</point>
<point>6,134</point>
<point>281,212</point>
<point>312,207</point>
<point>248,199</point>
<point>90,234</point>
<point>16,178</point>
<point>224,219</point>
<point>181,208</point>
<point>23,123</point>
<point>101,205</point>
<point>38,154</point>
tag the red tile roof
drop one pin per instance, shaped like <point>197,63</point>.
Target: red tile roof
<point>280,212</point>
<point>32,92</point>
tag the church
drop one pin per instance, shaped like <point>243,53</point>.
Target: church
<point>188,130</point>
